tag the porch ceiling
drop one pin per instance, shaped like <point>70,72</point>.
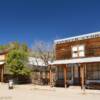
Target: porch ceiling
<point>77,60</point>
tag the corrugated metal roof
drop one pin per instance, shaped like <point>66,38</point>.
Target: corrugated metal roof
<point>36,61</point>
<point>75,61</point>
<point>80,37</point>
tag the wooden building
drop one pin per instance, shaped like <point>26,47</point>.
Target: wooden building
<point>2,63</point>
<point>77,60</point>
<point>40,72</point>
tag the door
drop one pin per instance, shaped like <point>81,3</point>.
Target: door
<point>76,75</point>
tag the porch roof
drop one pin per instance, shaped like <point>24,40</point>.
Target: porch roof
<point>75,61</point>
<point>2,62</point>
<point>80,37</point>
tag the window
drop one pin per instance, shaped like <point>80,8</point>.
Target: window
<point>78,51</point>
<point>93,71</point>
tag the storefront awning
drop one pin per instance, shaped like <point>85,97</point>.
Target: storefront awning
<point>75,61</point>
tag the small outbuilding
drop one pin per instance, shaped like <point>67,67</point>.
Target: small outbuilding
<point>40,72</point>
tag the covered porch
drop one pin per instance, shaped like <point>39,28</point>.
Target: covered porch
<point>80,71</point>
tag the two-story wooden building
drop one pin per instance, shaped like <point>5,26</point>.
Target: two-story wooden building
<point>77,60</point>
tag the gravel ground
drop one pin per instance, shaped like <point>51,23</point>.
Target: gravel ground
<point>33,92</point>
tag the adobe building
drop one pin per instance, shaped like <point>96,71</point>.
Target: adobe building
<point>77,60</point>
<point>2,63</point>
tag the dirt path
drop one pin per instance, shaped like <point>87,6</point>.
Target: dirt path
<point>31,92</point>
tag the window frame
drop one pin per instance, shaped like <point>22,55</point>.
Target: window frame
<point>77,51</point>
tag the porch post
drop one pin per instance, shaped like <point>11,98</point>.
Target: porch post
<point>50,76</point>
<point>85,73</point>
<point>72,71</point>
<point>65,76</point>
<point>2,73</point>
<point>82,76</point>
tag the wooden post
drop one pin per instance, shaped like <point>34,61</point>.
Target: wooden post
<point>2,73</point>
<point>65,76</point>
<point>82,77</point>
<point>50,76</point>
<point>72,72</point>
<point>85,73</point>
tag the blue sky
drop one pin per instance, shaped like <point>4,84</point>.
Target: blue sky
<point>32,20</point>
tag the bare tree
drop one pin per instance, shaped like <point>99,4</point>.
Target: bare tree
<point>44,51</point>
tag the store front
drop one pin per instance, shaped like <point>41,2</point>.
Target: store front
<point>78,71</point>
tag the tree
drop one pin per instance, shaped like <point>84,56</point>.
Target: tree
<point>13,45</point>
<point>2,48</point>
<point>44,51</point>
<point>24,47</point>
<point>17,62</point>
<point>16,45</point>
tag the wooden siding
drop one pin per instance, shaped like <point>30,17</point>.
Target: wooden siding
<point>92,48</point>
<point>2,59</point>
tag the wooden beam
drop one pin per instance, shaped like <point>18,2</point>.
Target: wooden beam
<point>82,76</point>
<point>65,76</point>
<point>85,73</point>
<point>2,73</point>
<point>50,76</point>
<point>72,72</point>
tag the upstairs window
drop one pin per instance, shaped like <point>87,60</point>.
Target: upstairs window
<point>78,51</point>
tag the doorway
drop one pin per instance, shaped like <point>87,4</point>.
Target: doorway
<point>76,75</point>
